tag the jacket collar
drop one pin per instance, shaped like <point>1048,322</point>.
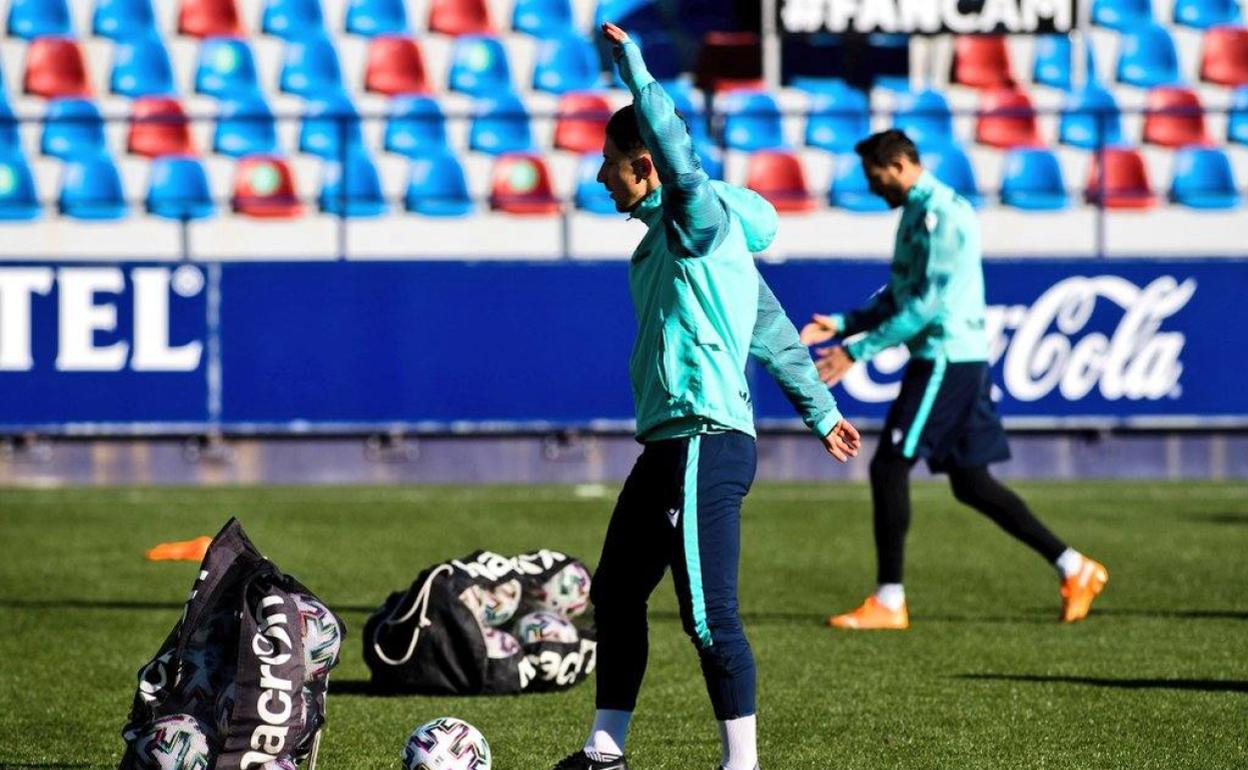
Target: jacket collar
<point>650,209</point>
<point>922,188</point>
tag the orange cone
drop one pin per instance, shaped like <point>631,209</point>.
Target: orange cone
<point>181,550</point>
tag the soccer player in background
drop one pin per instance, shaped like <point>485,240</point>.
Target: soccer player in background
<point>701,308</point>
<point>934,304</point>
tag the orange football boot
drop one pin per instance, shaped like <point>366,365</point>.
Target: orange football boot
<point>1081,588</point>
<point>181,550</point>
<point>872,615</point>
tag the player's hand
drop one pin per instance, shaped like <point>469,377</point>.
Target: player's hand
<point>843,441</point>
<point>820,329</point>
<point>614,33</point>
<point>833,364</point>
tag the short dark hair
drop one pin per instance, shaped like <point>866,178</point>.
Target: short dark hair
<point>886,146</point>
<point>623,130</point>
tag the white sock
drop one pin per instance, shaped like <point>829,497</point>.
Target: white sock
<point>606,737</point>
<point>891,595</point>
<point>1069,563</point>
<point>739,739</point>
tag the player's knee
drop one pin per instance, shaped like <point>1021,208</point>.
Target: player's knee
<point>611,596</point>
<point>887,466</point>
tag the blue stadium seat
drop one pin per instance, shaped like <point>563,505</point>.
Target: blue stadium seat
<point>663,54</point>
<point>949,163</point>
<point>331,126</point>
<point>310,66</point>
<point>91,188</point>
<point>752,121</point>
<point>1051,65</point>
<point>10,137</point>
<point>1202,14</point>
<point>72,127</point>
<point>1237,125</point>
<point>543,18</point>
<point>1203,179</point>
<point>1090,118</point>
<point>1122,14</point>
<point>1032,180</point>
<point>292,19</point>
<point>565,63</point>
<point>632,15</point>
<point>30,19</point>
<point>351,189</point>
<point>18,199</point>
<point>712,158</point>
<point>415,127</point>
<point>141,67</point>
<point>245,126</point>
<point>925,117</point>
<point>377,17</point>
<point>818,85</point>
<point>118,19</point>
<point>500,124</point>
<point>839,118</point>
<point>849,189</point>
<point>479,66</point>
<point>226,68</point>
<point>178,189</point>
<point>590,195</point>
<point>437,188</point>
<point>682,96</point>
<point>1147,57</point>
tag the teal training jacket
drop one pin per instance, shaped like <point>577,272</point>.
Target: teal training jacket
<point>702,307</point>
<point>934,300</point>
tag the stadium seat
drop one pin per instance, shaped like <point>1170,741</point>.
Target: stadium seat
<point>10,137</point>
<point>1032,180</point>
<point>751,121</point>
<point>210,18</point>
<point>543,18</point>
<point>352,189</point>
<point>159,126</point>
<point>632,15</point>
<point>729,60</point>
<point>950,164</point>
<point>18,198</point>
<point>226,68</point>
<point>1202,14</point>
<point>695,117</point>
<point>55,67</point>
<point>141,67</point>
<point>1203,179</point>
<point>91,188</point>
<point>1224,56</point>
<point>520,184</point>
<point>1090,118</point>
<point>479,66</point>
<point>777,175</point>
<point>310,66</point>
<point>1237,125</point>
<point>1173,117</point>
<point>1122,14</point>
<point>982,61</point>
<point>436,186</point>
<point>415,127</point>
<point>264,187</point>
<point>1007,119</point>
<point>711,157</point>
<point>177,188</point>
<point>117,19</point>
<point>590,195</point>
<point>460,17</point>
<point>1123,182</point>
<point>30,19</point>
<point>1147,57</point>
<point>331,126</point>
<point>395,66</point>
<point>581,122</point>
<point>245,126</point>
<point>849,189</point>
<point>662,52</point>
<point>72,127</point>
<point>565,63</point>
<point>1051,65</point>
<point>839,118</point>
<point>292,19</point>
<point>377,17</point>
<point>500,124</point>
<point>925,117</point>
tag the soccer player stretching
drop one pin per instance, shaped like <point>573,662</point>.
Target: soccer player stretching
<point>702,309</point>
<point>934,303</point>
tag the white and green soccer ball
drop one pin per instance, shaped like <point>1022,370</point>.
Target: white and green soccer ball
<point>496,606</point>
<point>446,743</point>
<point>566,591</point>
<point>175,742</point>
<point>322,637</point>
<point>499,644</point>
<point>545,626</point>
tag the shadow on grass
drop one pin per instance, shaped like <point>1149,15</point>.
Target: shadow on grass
<point>1196,685</point>
<point>125,605</point>
<point>1182,614</point>
<point>1228,519</point>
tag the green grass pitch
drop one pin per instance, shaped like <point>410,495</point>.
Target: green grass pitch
<point>1157,677</point>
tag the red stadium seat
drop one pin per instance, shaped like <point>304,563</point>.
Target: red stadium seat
<point>159,126</point>
<point>1173,117</point>
<point>982,61</point>
<point>460,17</point>
<point>581,125</point>
<point>1224,56</point>
<point>264,187</point>
<point>395,66</point>
<point>728,60</point>
<point>209,18</point>
<point>777,175</point>
<point>1124,184</point>
<point>55,67</point>
<point>1007,119</point>
<point>521,185</point>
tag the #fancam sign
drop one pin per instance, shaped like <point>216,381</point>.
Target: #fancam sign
<point>928,17</point>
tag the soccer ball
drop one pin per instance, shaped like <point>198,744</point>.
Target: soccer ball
<point>175,742</point>
<point>494,606</point>
<point>446,744</point>
<point>499,644</point>
<point>545,626</point>
<point>322,637</point>
<point>566,591</point>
